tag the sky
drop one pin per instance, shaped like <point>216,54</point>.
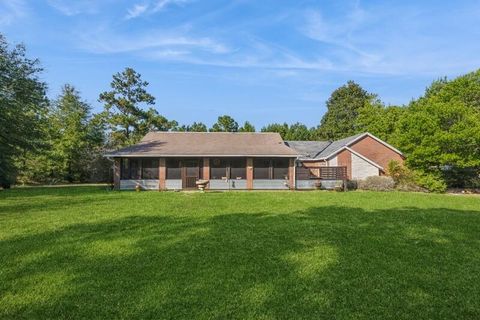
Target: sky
<point>262,61</point>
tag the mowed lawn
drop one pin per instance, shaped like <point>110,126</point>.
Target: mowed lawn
<point>83,252</point>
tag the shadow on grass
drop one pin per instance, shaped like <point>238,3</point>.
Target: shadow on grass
<point>331,262</point>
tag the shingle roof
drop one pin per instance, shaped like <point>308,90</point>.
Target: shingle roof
<point>208,144</point>
<point>313,150</point>
<point>308,149</point>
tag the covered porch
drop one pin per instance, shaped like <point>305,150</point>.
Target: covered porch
<point>222,173</point>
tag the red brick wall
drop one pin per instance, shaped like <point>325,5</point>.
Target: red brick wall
<point>376,151</point>
<point>291,174</point>
<point>344,159</point>
<point>249,173</point>
<point>313,165</point>
<point>206,169</point>
<point>162,173</point>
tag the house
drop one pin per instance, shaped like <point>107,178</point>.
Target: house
<point>236,161</point>
<point>361,156</point>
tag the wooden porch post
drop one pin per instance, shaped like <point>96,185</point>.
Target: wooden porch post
<point>116,174</point>
<point>249,173</point>
<point>162,174</point>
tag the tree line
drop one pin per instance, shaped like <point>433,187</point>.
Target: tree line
<point>62,140</point>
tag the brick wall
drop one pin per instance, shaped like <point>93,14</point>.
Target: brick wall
<point>376,151</point>
<point>344,159</point>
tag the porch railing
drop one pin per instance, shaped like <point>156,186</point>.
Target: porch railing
<point>322,173</point>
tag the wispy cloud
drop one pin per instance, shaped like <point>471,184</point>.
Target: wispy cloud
<point>177,41</point>
<point>151,7</point>
<point>11,11</point>
<point>136,10</point>
<point>72,8</point>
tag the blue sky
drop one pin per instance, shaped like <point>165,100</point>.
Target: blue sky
<point>263,61</point>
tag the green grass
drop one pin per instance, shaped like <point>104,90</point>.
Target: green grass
<point>87,253</point>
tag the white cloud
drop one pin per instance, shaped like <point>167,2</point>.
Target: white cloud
<point>107,42</point>
<point>11,11</point>
<point>72,8</point>
<point>137,10</point>
<point>162,4</point>
<point>140,9</point>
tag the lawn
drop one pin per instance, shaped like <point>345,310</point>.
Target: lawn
<point>83,252</point>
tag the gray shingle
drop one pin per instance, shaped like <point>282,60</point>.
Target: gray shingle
<point>208,144</point>
<point>311,150</point>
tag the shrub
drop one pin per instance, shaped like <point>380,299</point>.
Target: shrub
<point>377,183</point>
<point>433,182</point>
<point>399,173</point>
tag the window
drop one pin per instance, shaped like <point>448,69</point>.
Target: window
<point>139,169</point>
<point>218,169</point>
<point>150,168</point>
<point>270,168</point>
<point>125,171</point>
<point>280,168</point>
<point>238,168</point>
<point>174,170</point>
<point>261,169</point>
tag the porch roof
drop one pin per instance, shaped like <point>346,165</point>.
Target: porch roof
<point>186,144</point>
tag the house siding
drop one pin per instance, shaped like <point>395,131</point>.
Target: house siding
<point>173,184</point>
<point>362,169</point>
<point>237,184</point>
<point>271,184</point>
<point>146,184</point>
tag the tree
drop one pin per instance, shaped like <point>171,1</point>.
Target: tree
<point>464,89</point>
<point>247,127</point>
<point>194,127</point>
<point>379,120</point>
<point>282,129</point>
<point>225,123</point>
<point>342,111</point>
<point>75,144</point>
<point>440,138</point>
<point>127,121</point>
<point>298,131</point>
<point>23,105</point>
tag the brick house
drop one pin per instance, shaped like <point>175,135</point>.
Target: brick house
<point>236,161</point>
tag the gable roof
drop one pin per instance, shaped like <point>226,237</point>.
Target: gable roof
<point>308,149</point>
<point>185,144</point>
<point>327,149</point>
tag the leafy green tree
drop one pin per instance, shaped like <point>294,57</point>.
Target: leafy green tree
<point>247,127</point>
<point>225,123</point>
<point>342,111</point>
<point>439,137</point>
<point>379,120</point>
<point>126,120</point>
<point>23,106</point>
<point>194,127</point>
<point>298,131</point>
<point>464,89</point>
<point>282,129</point>
<point>75,144</point>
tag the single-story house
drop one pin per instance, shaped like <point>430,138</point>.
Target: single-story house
<point>235,161</point>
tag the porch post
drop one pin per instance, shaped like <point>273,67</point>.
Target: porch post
<point>206,170</point>
<point>249,173</point>
<point>116,174</point>
<point>162,174</point>
<point>291,173</point>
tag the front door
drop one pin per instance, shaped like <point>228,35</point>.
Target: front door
<point>190,174</point>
